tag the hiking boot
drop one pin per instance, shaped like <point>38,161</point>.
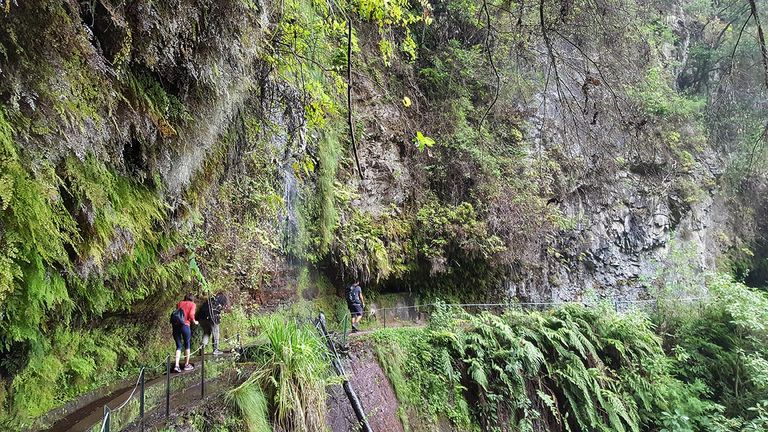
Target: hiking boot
<point>176,369</point>
<point>217,352</point>
<point>188,367</point>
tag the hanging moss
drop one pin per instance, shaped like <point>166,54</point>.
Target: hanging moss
<point>164,108</point>
<point>77,242</point>
<point>37,232</point>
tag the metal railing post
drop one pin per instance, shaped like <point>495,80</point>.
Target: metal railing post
<point>107,419</point>
<point>141,399</point>
<point>202,372</point>
<point>345,329</point>
<point>167,387</point>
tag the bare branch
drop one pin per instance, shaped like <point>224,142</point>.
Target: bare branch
<point>349,93</point>
<point>760,38</point>
<point>489,53</point>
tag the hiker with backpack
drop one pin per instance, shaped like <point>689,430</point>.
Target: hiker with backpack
<point>356,303</point>
<point>181,319</point>
<point>210,318</point>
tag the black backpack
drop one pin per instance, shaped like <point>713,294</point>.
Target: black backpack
<point>178,317</point>
<point>352,295</point>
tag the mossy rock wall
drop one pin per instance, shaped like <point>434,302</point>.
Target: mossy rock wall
<point>155,148</point>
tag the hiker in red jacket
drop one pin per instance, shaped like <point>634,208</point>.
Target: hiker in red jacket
<point>182,333</point>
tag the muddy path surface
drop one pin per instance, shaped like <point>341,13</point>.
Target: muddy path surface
<point>85,417</point>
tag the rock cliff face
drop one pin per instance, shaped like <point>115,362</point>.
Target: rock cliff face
<point>163,144</point>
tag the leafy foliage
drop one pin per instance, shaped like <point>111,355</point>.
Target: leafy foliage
<point>443,241</point>
<point>419,367</point>
<point>58,259</point>
<point>579,368</point>
<point>292,370</point>
<point>723,346</point>
<point>423,142</point>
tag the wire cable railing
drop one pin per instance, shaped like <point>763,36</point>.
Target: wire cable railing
<point>513,304</point>
<point>618,305</point>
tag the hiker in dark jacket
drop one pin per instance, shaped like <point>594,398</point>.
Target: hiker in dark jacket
<point>356,303</point>
<point>210,318</point>
<point>182,334</point>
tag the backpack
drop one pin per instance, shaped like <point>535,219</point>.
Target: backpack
<point>352,296</point>
<point>178,317</point>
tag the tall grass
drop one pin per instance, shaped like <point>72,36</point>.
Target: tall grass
<point>293,371</point>
<point>248,399</point>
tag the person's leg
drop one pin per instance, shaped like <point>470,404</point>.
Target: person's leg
<point>206,326</point>
<point>215,334</point>
<point>187,332</point>
<point>352,317</point>
<point>357,312</point>
<point>177,337</point>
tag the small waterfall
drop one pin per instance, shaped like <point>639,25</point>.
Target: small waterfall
<point>288,138</point>
<point>289,218</point>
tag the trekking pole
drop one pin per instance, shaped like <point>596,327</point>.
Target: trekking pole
<point>202,372</point>
<point>141,400</point>
<point>167,386</point>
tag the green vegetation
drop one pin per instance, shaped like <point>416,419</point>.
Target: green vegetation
<point>449,242</point>
<point>252,406</point>
<point>57,260</point>
<point>420,369</point>
<point>291,371</point>
<point>576,368</point>
<point>479,125</point>
<point>147,94</point>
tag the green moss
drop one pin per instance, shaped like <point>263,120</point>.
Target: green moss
<point>38,231</point>
<point>426,387</point>
<point>329,153</point>
<point>56,221</point>
<point>110,202</point>
<point>76,362</point>
<point>374,248</point>
<point>78,94</point>
<point>149,95</point>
